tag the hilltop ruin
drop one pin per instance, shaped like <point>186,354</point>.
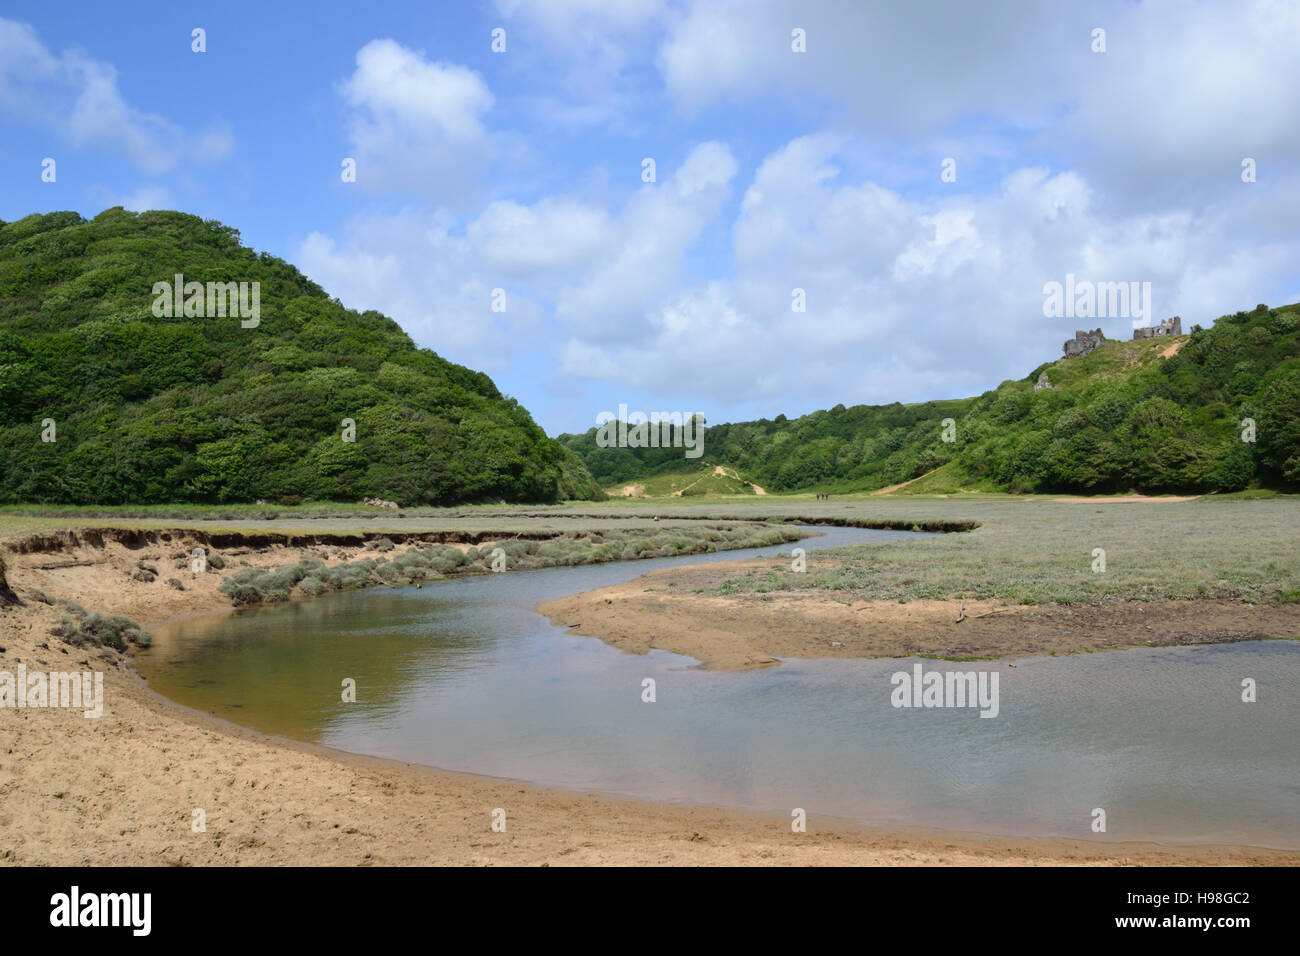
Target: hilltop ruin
<point>1085,342</point>
<point>1082,343</point>
<point>1172,326</point>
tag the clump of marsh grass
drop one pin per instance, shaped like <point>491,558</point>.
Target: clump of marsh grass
<point>80,627</point>
<point>312,577</point>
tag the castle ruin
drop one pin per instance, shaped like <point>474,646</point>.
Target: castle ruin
<point>1172,326</point>
<point>1083,343</point>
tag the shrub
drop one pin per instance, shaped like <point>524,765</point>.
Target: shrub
<point>242,595</point>
<point>312,586</point>
<point>87,627</point>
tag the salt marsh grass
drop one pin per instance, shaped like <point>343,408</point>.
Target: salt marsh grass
<point>417,563</point>
<point>1041,551</point>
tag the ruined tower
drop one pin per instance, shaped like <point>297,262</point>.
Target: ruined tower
<point>1172,326</point>
<point>1082,343</point>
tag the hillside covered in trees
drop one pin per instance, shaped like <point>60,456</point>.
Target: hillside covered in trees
<point>149,409</point>
<point>1127,417</point>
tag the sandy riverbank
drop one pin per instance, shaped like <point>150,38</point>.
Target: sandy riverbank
<point>122,789</point>
<point>665,610</point>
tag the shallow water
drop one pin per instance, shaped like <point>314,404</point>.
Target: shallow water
<point>463,674</point>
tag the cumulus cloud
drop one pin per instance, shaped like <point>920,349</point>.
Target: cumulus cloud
<point>415,125</point>
<point>908,300</point>
<point>1183,91</point>
<point>576,54</point>
<point>552,237</point>
<point>413,267</point>
<point>898,66</point>
<point>600,270</point>
<point>79,98</point>
<point>618,292</point>
<point>1115,167</point>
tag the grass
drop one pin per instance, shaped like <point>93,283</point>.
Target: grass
<point>1026,549</point>
<point>17,521</point>
<point>80,627</point>
<point>1040,551</point>
<point>694,481</point>
<point>250,586</point>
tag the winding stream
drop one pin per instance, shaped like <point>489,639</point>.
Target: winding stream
<point>463,674</point>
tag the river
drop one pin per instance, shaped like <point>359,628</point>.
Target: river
<point>463,674</point>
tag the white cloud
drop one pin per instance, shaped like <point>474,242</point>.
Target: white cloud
<point>1183,92</point>
<point>602,271</point>
<point>415,126</point>
<point>411,267</point>
<point>571,57</point>
<point>147,198</point>
<point>1121,166</point>
<point>907,299</point>
<point>645,266</point>
<point>898,66</point>
<point>552,236</point>
<point>79,97</point>
<point>910,300</point>
<point>433,98</point>
<point>698,343</point>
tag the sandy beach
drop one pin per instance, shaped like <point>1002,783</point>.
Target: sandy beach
<point>122,789</point>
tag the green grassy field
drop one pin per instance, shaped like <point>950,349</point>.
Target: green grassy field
<point>1038,551</point>
<point>1025,549</point>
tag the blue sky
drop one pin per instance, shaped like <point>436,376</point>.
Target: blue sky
<point>775,170</point>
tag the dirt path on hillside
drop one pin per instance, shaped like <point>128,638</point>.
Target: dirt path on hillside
<point>732,473</point>
<point>903,484</point>
<point>718,470</point>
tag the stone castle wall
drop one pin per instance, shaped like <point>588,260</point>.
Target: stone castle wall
<point>1172,326</point>
<point>1082,343</point>
<point>1085,342</point>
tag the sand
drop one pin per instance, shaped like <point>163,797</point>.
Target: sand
<point>743,631</point>
<point>122,789</point>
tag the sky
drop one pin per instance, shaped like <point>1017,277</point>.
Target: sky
<point>920,171</point>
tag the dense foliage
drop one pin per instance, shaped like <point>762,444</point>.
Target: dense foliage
<point>1124,417</point>
<point>150,409</point>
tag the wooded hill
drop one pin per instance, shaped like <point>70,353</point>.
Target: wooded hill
<point>149,409</point>
<point>1157,415</point>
